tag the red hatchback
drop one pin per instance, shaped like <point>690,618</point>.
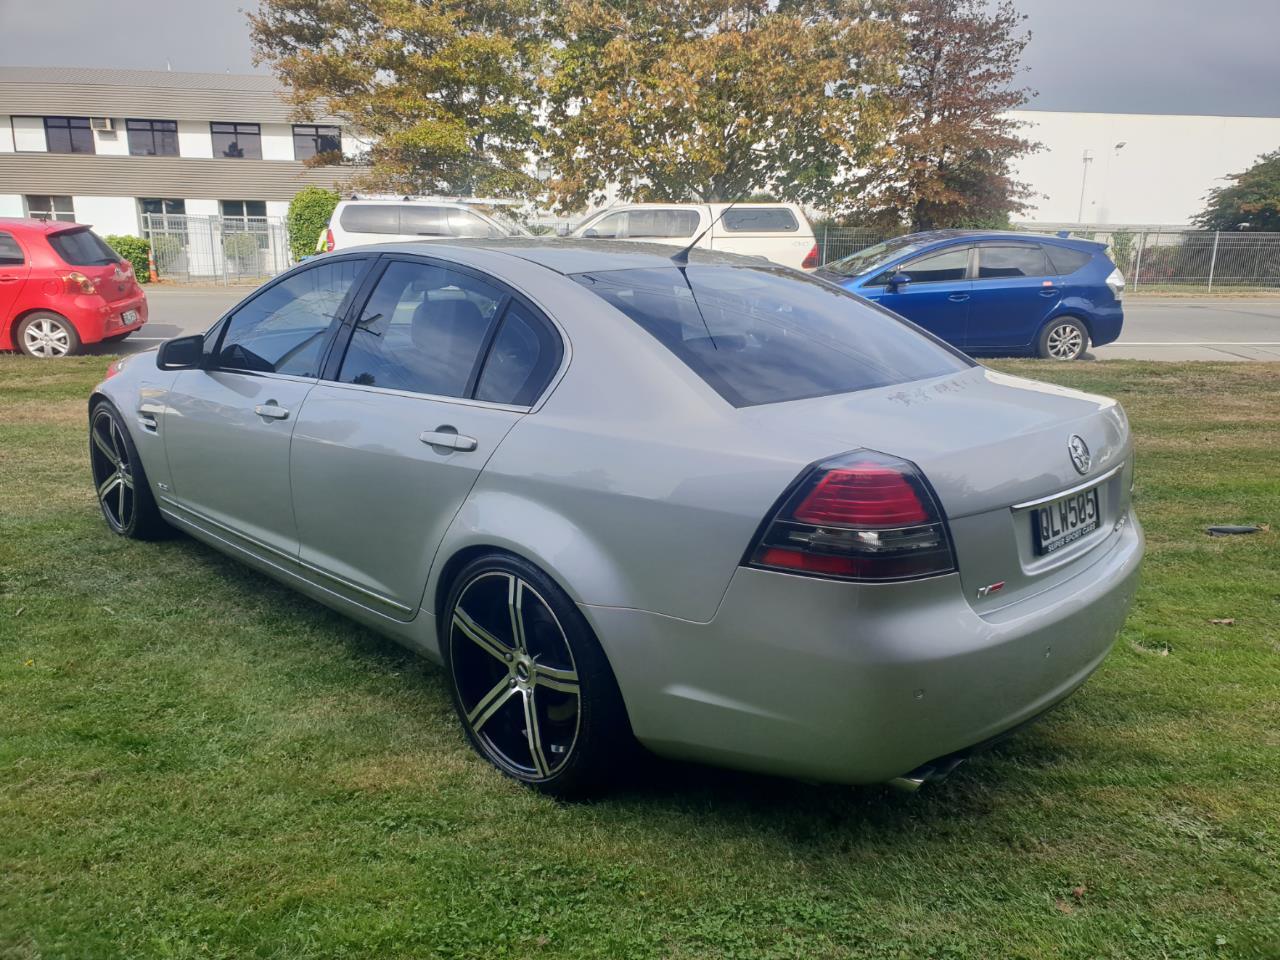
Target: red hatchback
<point>61,287</point>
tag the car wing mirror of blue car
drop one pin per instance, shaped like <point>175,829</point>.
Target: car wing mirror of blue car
<point>897,282</point>
<point>182,353</point>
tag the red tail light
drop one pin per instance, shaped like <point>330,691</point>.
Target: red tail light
<point>328,241</point>
<point>860,516</point>
<point>811,258</point>
<point>76,282</point>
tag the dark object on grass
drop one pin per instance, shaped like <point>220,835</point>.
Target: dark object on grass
<point>1227,530</point>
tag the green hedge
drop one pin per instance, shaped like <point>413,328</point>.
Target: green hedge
<point>309,213</point>
<point>135,250</point>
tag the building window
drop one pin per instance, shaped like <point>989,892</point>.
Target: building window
<point>243,209</point>
<point>68,135</point>
<point>310,140</point>
<point>238,141</point>
<point>152,138</point>
<point>156,212</point>
<point>51,208</point>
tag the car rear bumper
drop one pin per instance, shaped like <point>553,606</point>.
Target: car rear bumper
<point>1105,323</point>
<point>860,683</point>
<point>96,319</point>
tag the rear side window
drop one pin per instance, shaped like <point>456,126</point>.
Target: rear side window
<point>82,248</point>
<point>764,335</point>
<point>1067,261</point>
<point>760,220</point>
<point>524,356</point>
<point>1013,260</point>
<point>10,252</point>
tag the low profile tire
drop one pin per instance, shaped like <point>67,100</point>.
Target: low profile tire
<point>121,484</point>
<point>529,680</point>
<point>47,336</point>
<point>1063,339</point>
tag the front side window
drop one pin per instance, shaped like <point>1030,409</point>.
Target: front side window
<point>82,248</point>
<point>68,135</point>
<point>948,266</point>
<point>152,138</point>
<point>766,335</point>
<point>422,330</point>
<point>608,228</point>
<point>422,221</point>
<point>464,223</point>
<point>284,329</point>
<point>237,141</point>
<point>1014,260</point>
<point>10,252</point>
<point>50,208</point>
<point>311,140</point>
<point>759,220</point>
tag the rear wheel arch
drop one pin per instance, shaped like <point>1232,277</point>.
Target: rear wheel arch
<point>16,325</point>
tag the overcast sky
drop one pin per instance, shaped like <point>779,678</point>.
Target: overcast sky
<point>1111,56</point>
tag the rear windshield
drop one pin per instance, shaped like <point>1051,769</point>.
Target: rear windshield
<point>82,248</point>
<point>765,335</point>
<point>759,220</point>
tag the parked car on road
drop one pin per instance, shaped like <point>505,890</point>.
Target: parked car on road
<point>994,292</point>
<point>364,220</point>
<point>777,231</point>
<point>726,507</point>
<point>61,287</point>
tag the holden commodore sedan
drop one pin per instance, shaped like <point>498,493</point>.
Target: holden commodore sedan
<point>721,507</point>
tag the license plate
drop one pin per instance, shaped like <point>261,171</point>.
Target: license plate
<point>129,316</point>
<point>1065,520</point>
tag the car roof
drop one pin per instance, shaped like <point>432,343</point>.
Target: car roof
<point>937,236</point>
<point>568,256</point>
<point>38,226</point>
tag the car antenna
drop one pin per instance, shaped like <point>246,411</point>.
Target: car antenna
<point>681,257</point>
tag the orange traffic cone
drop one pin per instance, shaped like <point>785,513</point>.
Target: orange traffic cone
<point>151,265</point>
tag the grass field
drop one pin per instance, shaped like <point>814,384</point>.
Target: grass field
<point>195,762</point>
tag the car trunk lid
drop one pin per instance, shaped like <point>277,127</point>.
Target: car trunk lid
<point>995,449</point>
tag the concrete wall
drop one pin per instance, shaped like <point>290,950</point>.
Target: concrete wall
<point>11,205</point>
<point>108,215</point>
<point>1160,176</point>
<point>277,141</point>
<point>194,139</point>
<point>105,145</point>
<point>28,134</point>
<point>6,135</point>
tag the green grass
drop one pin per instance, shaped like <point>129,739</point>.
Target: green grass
<point>195,762</point>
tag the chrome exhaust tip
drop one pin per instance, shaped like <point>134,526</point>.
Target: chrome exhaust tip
<point>932,772</point>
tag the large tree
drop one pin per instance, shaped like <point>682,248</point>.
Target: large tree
<point>954,141</point>
<point>442,91</point>
<point>1252,198</point>
<point>714,99</point>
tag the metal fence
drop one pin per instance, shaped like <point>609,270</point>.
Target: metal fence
<point>1150,257</point>
<point>189,248</point>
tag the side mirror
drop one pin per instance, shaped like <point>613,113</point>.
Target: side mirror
<point>897,282</point>
<point>183,353</point>
<point>562,229</point>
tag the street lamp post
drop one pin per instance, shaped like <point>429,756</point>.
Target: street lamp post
<point>1085,160</point>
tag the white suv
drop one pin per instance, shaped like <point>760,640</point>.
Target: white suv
<point>364,220</point>
<point>777,231</point>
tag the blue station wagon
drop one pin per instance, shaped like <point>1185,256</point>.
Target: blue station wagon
<point>993,292</point>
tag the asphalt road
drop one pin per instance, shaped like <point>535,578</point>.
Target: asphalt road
<point>1173,328</point>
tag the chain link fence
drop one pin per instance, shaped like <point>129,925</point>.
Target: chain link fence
<point>1153,258</point>
<point>224,250</point>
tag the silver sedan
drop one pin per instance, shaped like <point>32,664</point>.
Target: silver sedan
<point>722,508</point>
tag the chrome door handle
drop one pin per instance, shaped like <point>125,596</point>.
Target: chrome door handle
<point>447,438</point>
<point>958,297</point>
<point>271,410</point>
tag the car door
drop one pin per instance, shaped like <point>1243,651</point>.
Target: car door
<point>14,269</point>
<point>441,362</point>
<point>936,296</point>
<point>227,426</point>
<point>1013,292</point>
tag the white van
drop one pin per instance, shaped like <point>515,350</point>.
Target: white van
<point>385,220</point>
<point>778,231</point>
